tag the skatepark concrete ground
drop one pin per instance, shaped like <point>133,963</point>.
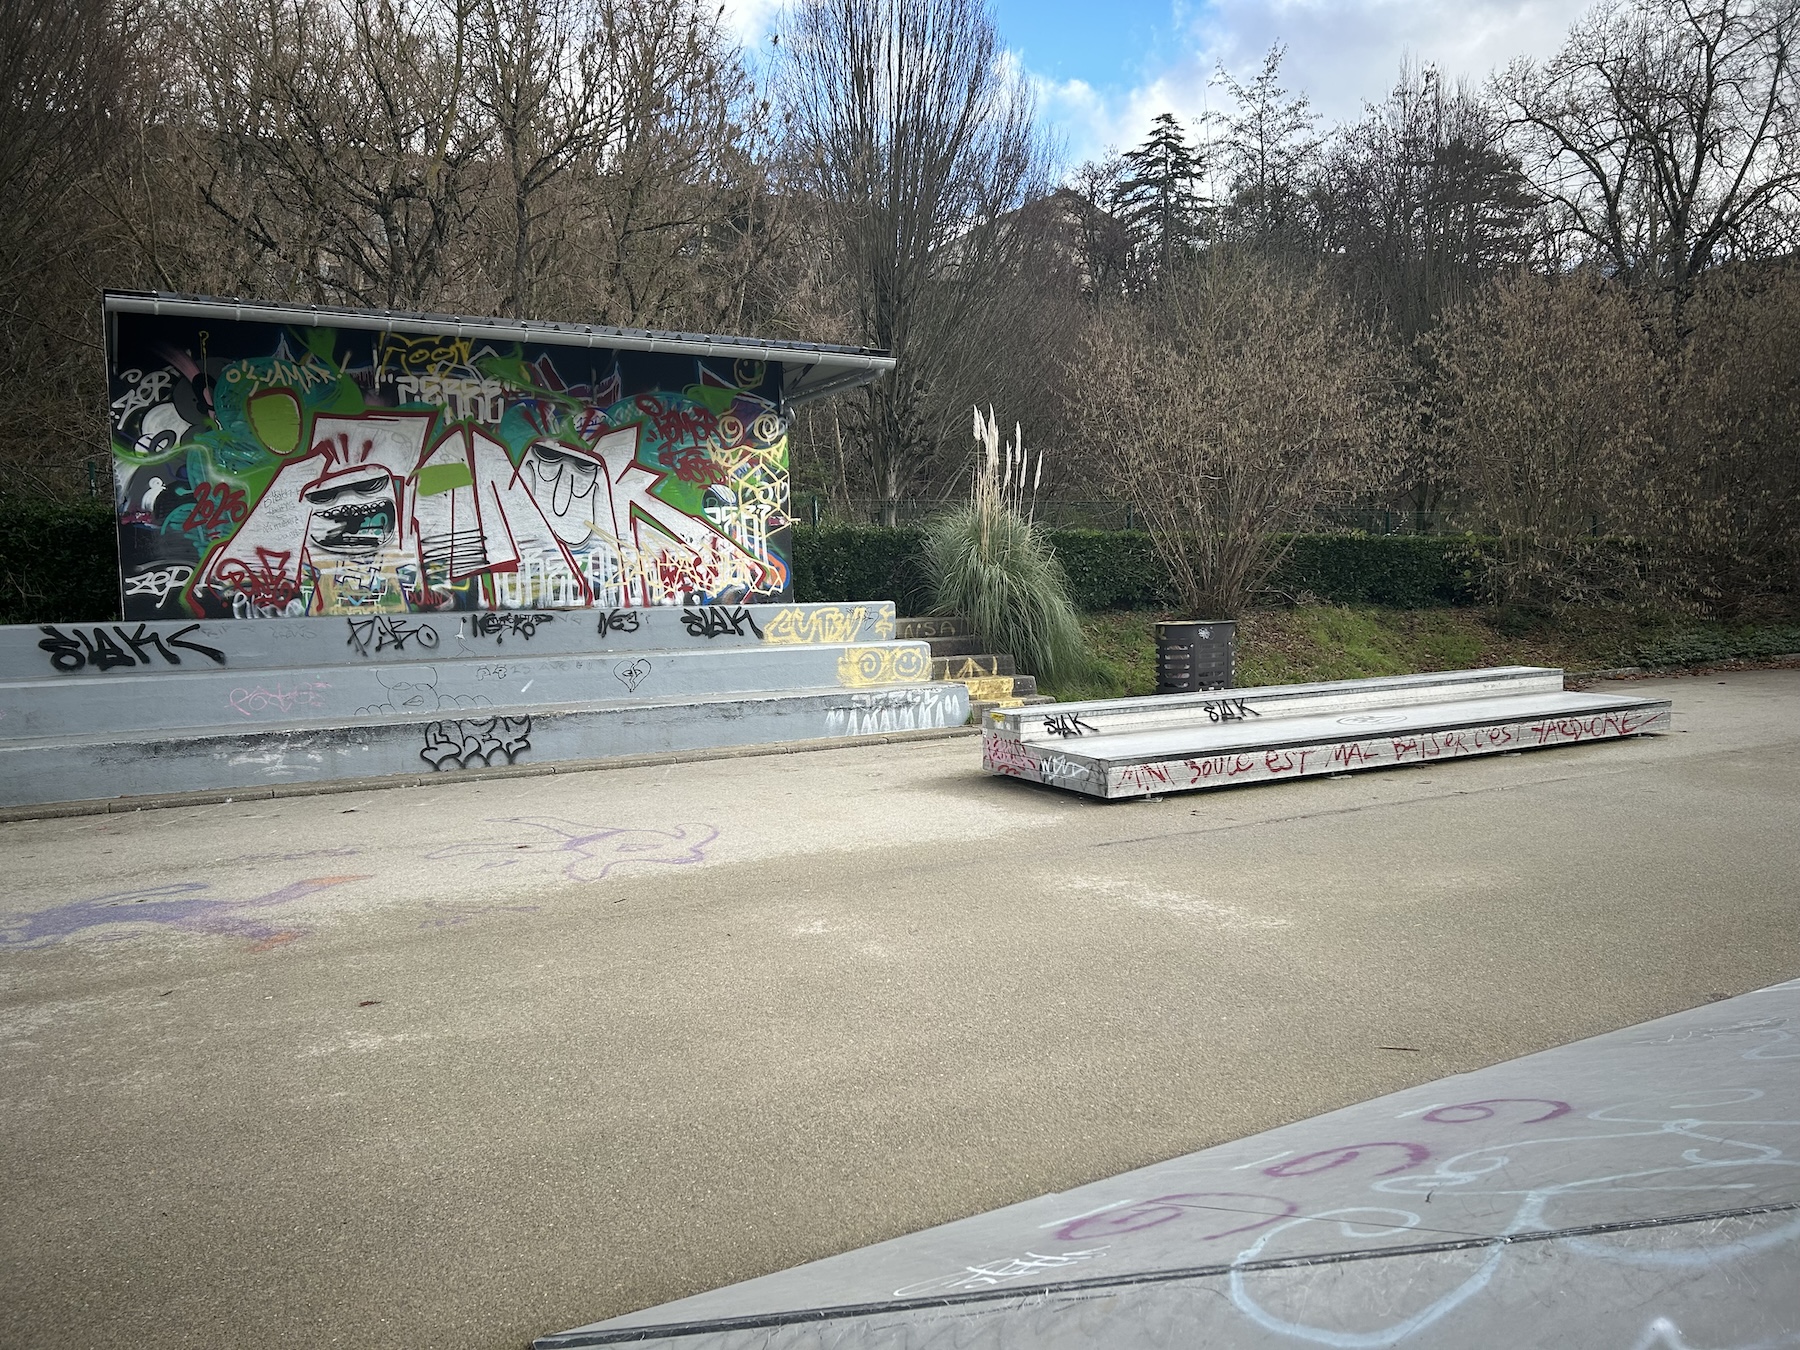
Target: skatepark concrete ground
<point>467,1064</point>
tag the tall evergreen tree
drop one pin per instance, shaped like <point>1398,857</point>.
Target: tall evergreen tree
<point>1157,197</point>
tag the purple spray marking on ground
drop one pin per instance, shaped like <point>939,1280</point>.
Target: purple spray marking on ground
<point>1466,1112</point>
<point>1326,1159</point>
<point>1152,1213</point>
<point>595,849</point>
<point>179,905</point>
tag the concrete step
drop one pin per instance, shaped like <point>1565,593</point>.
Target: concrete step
<point>1071,748</point>
<point>1144,1258</point>
<point>992,688</point>
<point>971,667</point>
<point>516,679</point>
<point>957,646</point>
<point>933,626</point>
<point>112,765</point>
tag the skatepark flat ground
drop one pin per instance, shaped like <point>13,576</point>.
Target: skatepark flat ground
<point>466,1064</point>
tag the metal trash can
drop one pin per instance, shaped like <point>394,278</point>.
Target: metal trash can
<point>1195,656</point>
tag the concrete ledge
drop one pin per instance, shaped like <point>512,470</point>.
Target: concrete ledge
<point>218,796</point>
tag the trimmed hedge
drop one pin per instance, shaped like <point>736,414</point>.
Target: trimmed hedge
<point>861,562</point>
<point>1112,569</point>
<point>1119,569</point>
<point>1403,571</point>
<point>59,563</point>
<point>1714,643</point>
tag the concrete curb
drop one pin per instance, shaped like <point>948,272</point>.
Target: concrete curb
<point>219,796</point>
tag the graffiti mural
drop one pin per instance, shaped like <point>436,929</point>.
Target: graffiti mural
<point>266,470</point>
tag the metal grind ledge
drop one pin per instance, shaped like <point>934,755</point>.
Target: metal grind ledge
<point>1131,748</point>
<point>1637,1189</point>
<point>261,792</point>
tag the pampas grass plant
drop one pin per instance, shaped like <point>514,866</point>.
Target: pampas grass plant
<point>988,561</point>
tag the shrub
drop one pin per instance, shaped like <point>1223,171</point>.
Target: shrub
<point>59,561</point>
<point>989,562</point>
<point>998,571</point>
<point>860,562</point>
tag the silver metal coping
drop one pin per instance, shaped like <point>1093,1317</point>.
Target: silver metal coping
<point>1180,709</point>
<point>1206,739</point>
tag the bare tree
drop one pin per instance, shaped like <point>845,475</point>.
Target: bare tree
<point>676,204</point>
<point>1667,132</point>
<point>540,79</point>
<point>1233,406</point>
<point>1268,153</point>
<point>1419,203</point>
<point>1726,449</point>
<point>1109,255</point>
<point>1543,405</point>
<point>69,85</point>
<point>344,142</point>
<point>914,143</point>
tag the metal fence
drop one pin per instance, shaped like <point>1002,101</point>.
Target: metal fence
<point>817,509</point>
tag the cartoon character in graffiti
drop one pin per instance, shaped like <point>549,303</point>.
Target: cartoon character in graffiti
<point>378,518</point>
<point>595,850</point>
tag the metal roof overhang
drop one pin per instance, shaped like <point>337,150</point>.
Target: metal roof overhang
<point>809,369</point>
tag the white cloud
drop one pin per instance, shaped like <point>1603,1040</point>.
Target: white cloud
<point>1340,54</point>
<point>751,20</point>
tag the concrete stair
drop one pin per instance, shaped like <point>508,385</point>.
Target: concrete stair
<point>1138,747</point>
<point>991,678</point>
<point>120,710</point>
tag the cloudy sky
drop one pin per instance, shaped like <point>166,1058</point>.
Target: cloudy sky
<point>1104,68</point>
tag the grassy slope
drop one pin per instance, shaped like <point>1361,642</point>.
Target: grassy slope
<point>1335,642</point>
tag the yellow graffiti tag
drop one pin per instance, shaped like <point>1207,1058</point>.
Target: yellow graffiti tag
<point>824,624</point>
<point>420,355</point>
<point>990,687</point>
<point>860,667</point>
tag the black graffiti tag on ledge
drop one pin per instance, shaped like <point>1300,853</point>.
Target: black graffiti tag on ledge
<point>463,743</point>
<point>618,621</point>
<point>711,621</point>
<point>1065,724</point>
<point>102,652</point>
<point>497,626</point>
<point>380,632</point>
<point>1228,710</point>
